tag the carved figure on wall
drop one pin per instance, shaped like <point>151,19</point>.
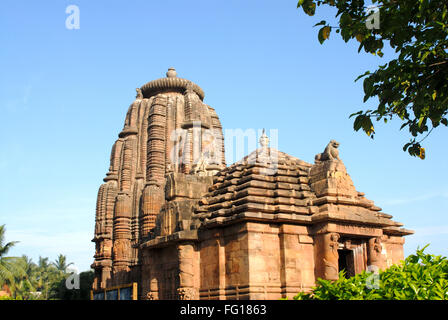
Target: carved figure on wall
<point>107,250</point>
<point>331,256</point>
<point>121,249</point>
<point>209,146</point>
<point>98,249</point>
<point>99,227</point>
<point>201,165</point>
<point>375,248</point>
<point>189,88</point>
<point>101,249</point>
<point>331,152</point>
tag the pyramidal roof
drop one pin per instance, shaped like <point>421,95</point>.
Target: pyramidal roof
<point>271,185</point>
<point>266,181</point>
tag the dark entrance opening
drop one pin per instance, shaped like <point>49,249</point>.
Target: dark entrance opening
<point>346,262</point>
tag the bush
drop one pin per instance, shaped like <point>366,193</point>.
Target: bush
<point>419,277</point>
<point>83,293</point>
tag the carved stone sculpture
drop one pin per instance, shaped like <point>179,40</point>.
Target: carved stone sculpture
<point>331,152</point>
<point>331,256</point>
<point>375,249</point>
<point>201,166</point>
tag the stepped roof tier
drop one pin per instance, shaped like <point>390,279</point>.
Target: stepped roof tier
<point>270,184</point>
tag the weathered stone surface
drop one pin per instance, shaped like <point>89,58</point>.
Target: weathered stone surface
<point>172,217</point>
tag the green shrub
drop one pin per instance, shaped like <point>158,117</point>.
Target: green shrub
<point>419,277</point>
<point>83,293</point>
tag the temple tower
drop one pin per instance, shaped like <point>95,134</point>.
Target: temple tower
<point>168,129</point>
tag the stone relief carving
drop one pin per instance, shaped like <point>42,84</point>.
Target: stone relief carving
<point>375,248</point>
<point>189,88</point>
<point>121,249</point>
<point>99,227</point>
<point>187,293</point>
<point>201,165</point>
<point>331,256</point>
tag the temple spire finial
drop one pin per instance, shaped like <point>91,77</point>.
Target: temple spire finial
<point>171,73</point>
<point>264,140</point>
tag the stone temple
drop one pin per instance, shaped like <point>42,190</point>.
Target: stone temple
<point>173,218</point>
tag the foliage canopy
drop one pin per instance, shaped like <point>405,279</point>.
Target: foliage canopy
<point>26,280</point>
<point>420,277</point>
<point>412,87</point>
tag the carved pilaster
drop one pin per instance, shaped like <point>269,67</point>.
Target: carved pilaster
<point>122,236</point>
<point>327,266</point>
<point>156,140</point>
<point>152,200</point>
<point>128,167</point>
<point>103,231</point>
<point>186,269</point>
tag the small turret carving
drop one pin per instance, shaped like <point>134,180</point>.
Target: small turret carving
<point>139,94</point>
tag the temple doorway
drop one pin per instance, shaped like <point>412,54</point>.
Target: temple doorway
<point>346,262</point>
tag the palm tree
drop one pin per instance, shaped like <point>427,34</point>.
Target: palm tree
<point>25,283</point>
<point>29,266</point>
<point>7,264</point>
<point>47,276</point>
<point>61,263</point>
<point>60,266</point>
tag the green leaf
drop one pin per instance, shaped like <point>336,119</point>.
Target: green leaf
<point>324,33</point>
<point>363,75</point>
<point>300,3</point>
<point>411,86</point>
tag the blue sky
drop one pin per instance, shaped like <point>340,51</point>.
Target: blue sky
<point>64,95</point>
